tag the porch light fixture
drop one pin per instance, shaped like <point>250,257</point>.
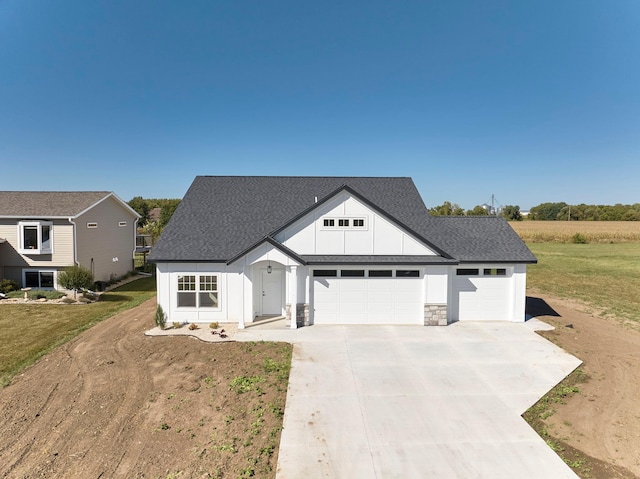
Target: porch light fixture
<point>269,268</point>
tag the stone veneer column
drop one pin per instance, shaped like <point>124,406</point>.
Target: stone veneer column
<point>435,314</point>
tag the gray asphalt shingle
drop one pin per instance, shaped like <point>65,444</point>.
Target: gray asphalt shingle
<point>47,204</point>
<point>222,216</point>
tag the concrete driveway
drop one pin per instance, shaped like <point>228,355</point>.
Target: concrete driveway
<point>417,402</point>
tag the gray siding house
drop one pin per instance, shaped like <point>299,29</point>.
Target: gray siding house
<point>43,232</point>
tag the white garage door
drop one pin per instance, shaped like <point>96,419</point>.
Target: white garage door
<point>483,294</point>
<point>368,300</point>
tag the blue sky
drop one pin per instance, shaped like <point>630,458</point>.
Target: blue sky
<point>529,101</point>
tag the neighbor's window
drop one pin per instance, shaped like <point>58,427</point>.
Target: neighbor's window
<point>467,272</point>
<point>197,291</point>
<point>122,223</point>
<point>36,237</point>
<point>495,272</point>
<point>92,225</point>
<point>39,279</point>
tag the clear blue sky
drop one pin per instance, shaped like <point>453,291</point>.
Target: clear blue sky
<point>532,101</point>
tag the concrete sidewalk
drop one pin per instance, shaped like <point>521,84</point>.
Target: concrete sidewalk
<point>415,402</point>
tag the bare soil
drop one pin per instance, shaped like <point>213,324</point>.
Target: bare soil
<point>114,403</point>
<point>601,423</point>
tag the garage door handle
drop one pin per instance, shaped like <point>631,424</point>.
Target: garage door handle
<point>263,293</point>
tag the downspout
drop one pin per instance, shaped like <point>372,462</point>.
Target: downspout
<point>135,242</point>
<point>75,242</point>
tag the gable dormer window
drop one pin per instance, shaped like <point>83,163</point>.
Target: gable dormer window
<point>36,237</point>
<point>344,222</point>
<point>328,223</point>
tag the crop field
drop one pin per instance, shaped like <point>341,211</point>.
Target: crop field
<point>566,231</point>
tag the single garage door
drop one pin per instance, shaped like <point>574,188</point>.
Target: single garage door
<point>368,297</point>
<point>482,294</point>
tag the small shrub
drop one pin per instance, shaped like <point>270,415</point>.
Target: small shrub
<point>75,278</point>
<point>177,325</point>
<point>8,285</point>
<point>214,325</point>
<point>193,326</point>
<point>160,317</point>
<point>579,238</point>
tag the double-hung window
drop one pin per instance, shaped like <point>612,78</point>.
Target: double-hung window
<point>198,291</point>
<point>35,237</point>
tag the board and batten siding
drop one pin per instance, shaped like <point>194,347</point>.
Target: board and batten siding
<point>379,236</point>
<point>108,248</point>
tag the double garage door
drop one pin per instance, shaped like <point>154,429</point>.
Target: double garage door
<point>482,294</point>
<point>368,299</point>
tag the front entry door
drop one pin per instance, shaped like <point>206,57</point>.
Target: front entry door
<point>272,292</point>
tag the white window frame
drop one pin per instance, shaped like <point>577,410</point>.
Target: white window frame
<point>92,225</point>
<point>122,223</point>
<point>39,249</point>
<point>351,219</point>
<point>197,290</point>
<point>40,271</point>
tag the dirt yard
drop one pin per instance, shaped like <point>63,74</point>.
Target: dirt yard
<point>114,403</point>
<point>602,421</point>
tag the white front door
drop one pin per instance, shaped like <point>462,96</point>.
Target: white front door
<point>271,299</point>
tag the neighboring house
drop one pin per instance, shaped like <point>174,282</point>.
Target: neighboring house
<point>47,231</point>
<point>328,250</point>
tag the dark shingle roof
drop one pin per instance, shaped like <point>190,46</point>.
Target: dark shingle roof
<point>47,204</point>
<point>479,238</point>
<point>222,216</point>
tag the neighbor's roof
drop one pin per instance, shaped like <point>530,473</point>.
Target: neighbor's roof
<point>221,217</point>
<point>50,204</point>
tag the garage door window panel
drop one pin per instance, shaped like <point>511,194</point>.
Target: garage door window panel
<point>403,273</point>
<point>467,272</point>
<point>352,273</point>
<point>495,271</point>
<point>325,273</point>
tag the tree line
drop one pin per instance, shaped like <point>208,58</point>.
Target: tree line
<point>143,207</point>
<point>548,212</point>
<point>509,212</point>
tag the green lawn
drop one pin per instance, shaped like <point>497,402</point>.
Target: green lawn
<point>606,276</point>
<point>28,331</point>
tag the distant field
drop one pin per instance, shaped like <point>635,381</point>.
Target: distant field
<point>564,231</point>
<point>605,276</point>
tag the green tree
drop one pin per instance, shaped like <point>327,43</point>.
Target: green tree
<point>141,206</point>
<point>546,211</point>
<point>447,209</point>
<point>75,278</point>
<point>168,208</point>
<point>511,213</point>
<point>478,211</point>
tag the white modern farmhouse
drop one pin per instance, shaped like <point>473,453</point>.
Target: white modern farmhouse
<point>331,250</point>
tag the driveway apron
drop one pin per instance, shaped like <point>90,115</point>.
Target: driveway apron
<point>417,402</point>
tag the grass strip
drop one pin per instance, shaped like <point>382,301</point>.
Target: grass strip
<point>29,331</point>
